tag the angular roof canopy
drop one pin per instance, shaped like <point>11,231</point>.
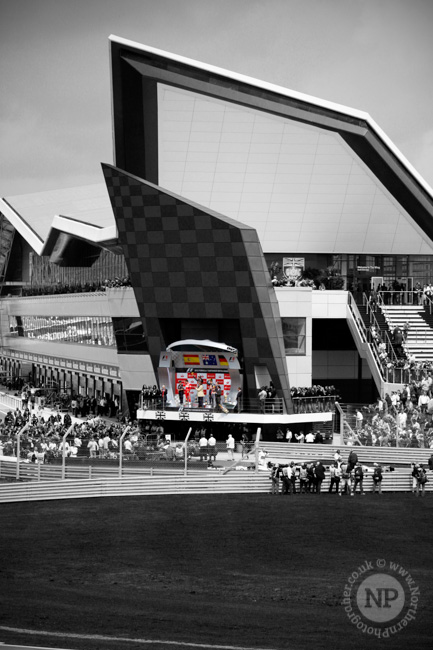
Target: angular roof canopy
<point>308,174</point>
<point>77,212</point>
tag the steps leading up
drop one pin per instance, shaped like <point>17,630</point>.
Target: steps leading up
<point>419,340</point>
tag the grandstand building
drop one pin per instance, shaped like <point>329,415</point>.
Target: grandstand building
<point>219,183</point>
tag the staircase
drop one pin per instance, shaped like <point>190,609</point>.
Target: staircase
<point>360,323</point>
<point>378,316</point>
<point>419,341</point>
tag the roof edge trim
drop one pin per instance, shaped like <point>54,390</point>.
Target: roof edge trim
<point>21,226</point>
<point>286,92</point>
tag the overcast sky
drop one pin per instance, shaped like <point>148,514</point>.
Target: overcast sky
<point>55,110</point>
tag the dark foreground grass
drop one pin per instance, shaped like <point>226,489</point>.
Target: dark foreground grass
<point>241,570</point>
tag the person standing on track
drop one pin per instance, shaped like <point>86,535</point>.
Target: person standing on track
<point>230,443</point>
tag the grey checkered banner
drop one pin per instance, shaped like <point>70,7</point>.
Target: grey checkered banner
<point>187,262</point>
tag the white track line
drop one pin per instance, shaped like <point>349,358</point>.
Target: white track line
<point>101,637</point>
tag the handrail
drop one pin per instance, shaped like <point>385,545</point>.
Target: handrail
<point>55,296</point>
<point>405,297</point>
<point>252,405</point>
<point>342,415</point>
<point>357,317</point>
<point>404,374</point>
<point>25,427</point>
<point>121,449</point>
<point>365,335</point>
<point>386,374</point>
<point>185,451</point>
<point>313,403</point>
<point>428,303</point>
<point>65,435</point>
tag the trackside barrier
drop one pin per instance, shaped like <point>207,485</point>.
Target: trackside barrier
<point>234,483</point>
<point>41,472</point>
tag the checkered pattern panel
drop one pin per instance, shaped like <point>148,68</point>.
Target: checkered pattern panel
<point>188,262</point>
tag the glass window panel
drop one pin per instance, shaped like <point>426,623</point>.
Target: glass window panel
<point>65,329</point>
<point>130,335</point>
<point>294,333</point>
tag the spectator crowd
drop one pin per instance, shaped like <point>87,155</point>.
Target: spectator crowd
<point>42,440</point>
<point>86,287</point>
<point>403,419</point>
<point>314,398</point>
<point>345,477</point>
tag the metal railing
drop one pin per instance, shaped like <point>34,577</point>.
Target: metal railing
<point>253,405</point>
<point>76,295</point>
<point>233,482</point>
<point>370,435</point>
<point>394,373</point>
<point>315,404</point>
<point>366,335</point>
<point>398,297</point>
<point>130,453</point>
<point>428,304</point>
<point>11,401</point>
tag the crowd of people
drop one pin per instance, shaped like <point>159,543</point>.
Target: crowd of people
<point>34,396</point>
<point>192,394</point>
<point>396,356</point>
<point>98,437</point>
<point>42,440</point>
<point>267,399</point>
<point>314,398</point>
<point>419,477</point>
<point>345,477</point>
<point>95,437</point>
<point>86,287</point>
<point>403,419</point>
<point>396,293</point>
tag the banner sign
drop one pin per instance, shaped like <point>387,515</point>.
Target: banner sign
<point>293,267</point>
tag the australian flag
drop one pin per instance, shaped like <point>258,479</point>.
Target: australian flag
<point>209,360</point>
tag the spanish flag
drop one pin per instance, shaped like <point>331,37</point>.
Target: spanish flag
<point>223,361</point>
<point>191,359</point>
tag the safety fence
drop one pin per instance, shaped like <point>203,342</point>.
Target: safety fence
<point>283,452</point>
<point>275,405</point>
<point>138,457</point>
<point>126,451</point>
<point>46,482</point>
<point>12,402</point>
<point>233,482</point>
<point>44,472</point>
